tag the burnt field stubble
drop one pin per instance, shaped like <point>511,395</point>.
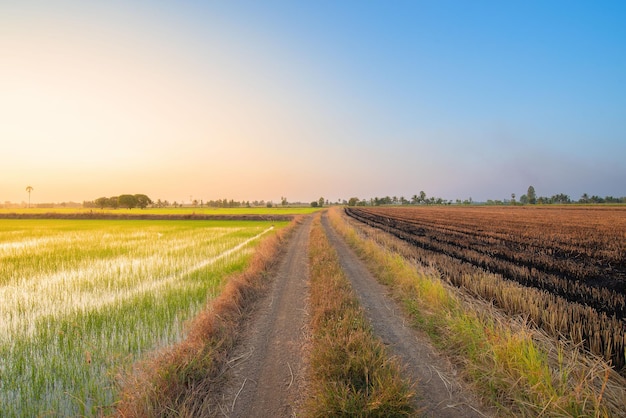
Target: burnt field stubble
<point>570,263</point>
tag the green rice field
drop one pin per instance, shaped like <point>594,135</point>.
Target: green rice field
<point>81,300</point>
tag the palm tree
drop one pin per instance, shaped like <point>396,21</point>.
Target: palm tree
<point>29,189</point>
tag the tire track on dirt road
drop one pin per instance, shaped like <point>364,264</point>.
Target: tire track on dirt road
<point>267,370</point>
<point>439,391</point>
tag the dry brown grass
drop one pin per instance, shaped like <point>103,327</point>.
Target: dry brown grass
<point>179,380</point>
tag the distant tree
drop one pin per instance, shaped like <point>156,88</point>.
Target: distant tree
<point>102,202</point>
<point>523,199</point>
<point>127,201</point>
<point>314,204</point>
<point>320,202</point>
<point>422,198</point>
<point>29,189</point>
<point>532,196</point>
<point>353,201</point>
<point>512,198</point>
<point>269,204</point>
<point>561,198</point>
<point>283,201</point>
<point>143,201</point>
<point>584,198</point>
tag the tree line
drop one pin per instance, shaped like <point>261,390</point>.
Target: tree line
<point>416,199</point>
<point>529,198</point>
<point>143,201</point>
<point>128,201</point>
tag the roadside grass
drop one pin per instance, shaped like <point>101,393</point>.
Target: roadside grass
<point>178,381</point>
<point>515,367</point>
<point>351,373</point>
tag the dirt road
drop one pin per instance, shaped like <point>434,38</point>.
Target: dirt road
<point>439,391</point>
<point>267,375</point>
<point>267,371</point>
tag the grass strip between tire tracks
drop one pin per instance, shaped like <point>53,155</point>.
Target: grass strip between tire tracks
<point>351,373</point>
<point>511,364</point>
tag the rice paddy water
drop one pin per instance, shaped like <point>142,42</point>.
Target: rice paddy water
<point>82,299</point>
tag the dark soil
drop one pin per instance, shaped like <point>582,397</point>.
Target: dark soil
<point>147,216</point>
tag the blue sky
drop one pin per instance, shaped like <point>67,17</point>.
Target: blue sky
<point>258,100</point>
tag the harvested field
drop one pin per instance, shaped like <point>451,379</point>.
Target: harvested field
<point>569,264</point>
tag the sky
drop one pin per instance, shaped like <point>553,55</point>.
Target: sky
<point>258,100</point>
